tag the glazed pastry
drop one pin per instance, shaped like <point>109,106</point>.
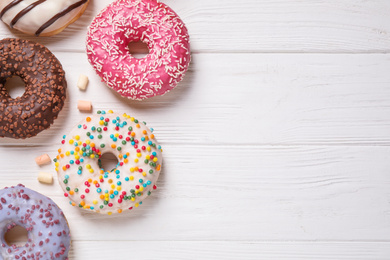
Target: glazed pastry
<point>46,225</point>
<point>108,191</point>
<point>151,22</point>
<point>45,93</point>
<point>41,17</point>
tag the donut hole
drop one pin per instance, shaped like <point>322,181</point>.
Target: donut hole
<point>17,236</point>
<point>108,161</point>
<point>138,50</point>
<point>15,87</point>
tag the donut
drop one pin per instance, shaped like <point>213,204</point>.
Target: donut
<point>84,180</point>
<point>41,17</point>
<point>149,21</point>
<point>45,88</point>
<point>47,228</point>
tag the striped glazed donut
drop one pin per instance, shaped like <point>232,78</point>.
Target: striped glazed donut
<point>151,22</point>
<point>41,17</point>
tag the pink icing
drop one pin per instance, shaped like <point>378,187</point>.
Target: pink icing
<point>151,22</point>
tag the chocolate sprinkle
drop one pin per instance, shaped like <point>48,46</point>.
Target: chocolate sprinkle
<point>45,92</point>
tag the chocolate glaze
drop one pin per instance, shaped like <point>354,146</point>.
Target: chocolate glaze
<point>59,15</point>
<point>45,92</point>
<point>9,6</point>
<point>25,11</point>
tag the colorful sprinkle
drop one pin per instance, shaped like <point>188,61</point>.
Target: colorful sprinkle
<point>105,190</point>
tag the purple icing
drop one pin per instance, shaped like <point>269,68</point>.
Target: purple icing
<point>42,219</point>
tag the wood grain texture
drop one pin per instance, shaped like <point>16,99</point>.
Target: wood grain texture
<point>247,250</point>
<point>240,193</point>
<point>251,99</point>
<point>276,143</point>
<point>260,26</point>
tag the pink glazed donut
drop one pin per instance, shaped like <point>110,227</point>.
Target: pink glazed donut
<point>47,228</point>
<point>151,22</point>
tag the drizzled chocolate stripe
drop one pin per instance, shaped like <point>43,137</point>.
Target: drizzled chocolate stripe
<point>59,15</point>
<point>9,6</point>
<point>25,11</point>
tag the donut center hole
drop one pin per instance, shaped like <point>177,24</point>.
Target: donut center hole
<point>138,50</point>
<point>17,236</point>
<point>15,87</point>
<point>108,162</point>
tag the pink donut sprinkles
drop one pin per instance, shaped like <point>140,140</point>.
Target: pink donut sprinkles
<point>151,22</point>
<point>48,231</point>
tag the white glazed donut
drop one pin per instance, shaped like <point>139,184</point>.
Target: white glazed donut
<point>47,229</point>
<point>90,187</point>
<point>41,17</point>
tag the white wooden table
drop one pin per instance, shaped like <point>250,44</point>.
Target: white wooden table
<point>276,143</point>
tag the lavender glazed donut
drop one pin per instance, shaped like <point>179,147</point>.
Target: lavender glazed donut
<point>48,231</point>
<point>151,22</point>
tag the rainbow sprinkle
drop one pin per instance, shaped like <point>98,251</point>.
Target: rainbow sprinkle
<point>82,176</point>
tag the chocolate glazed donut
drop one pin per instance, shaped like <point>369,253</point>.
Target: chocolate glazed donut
<point>45,92</point>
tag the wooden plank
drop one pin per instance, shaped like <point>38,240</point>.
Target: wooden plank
<point>248,250</point>
<point>275,99</point>
<point>260,26</point>
<point>241,193</point>
<point>266,155</point>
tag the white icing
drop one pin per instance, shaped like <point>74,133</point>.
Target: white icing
<point>39,15</point>
<point>127,174</point>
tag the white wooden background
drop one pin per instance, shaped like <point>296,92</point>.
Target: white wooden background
<point>276,144</point>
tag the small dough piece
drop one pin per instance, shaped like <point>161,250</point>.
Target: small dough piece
<point>45,177</point>
<point>43,159</point>
<point>82,83</point>
<point>84,106</point>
